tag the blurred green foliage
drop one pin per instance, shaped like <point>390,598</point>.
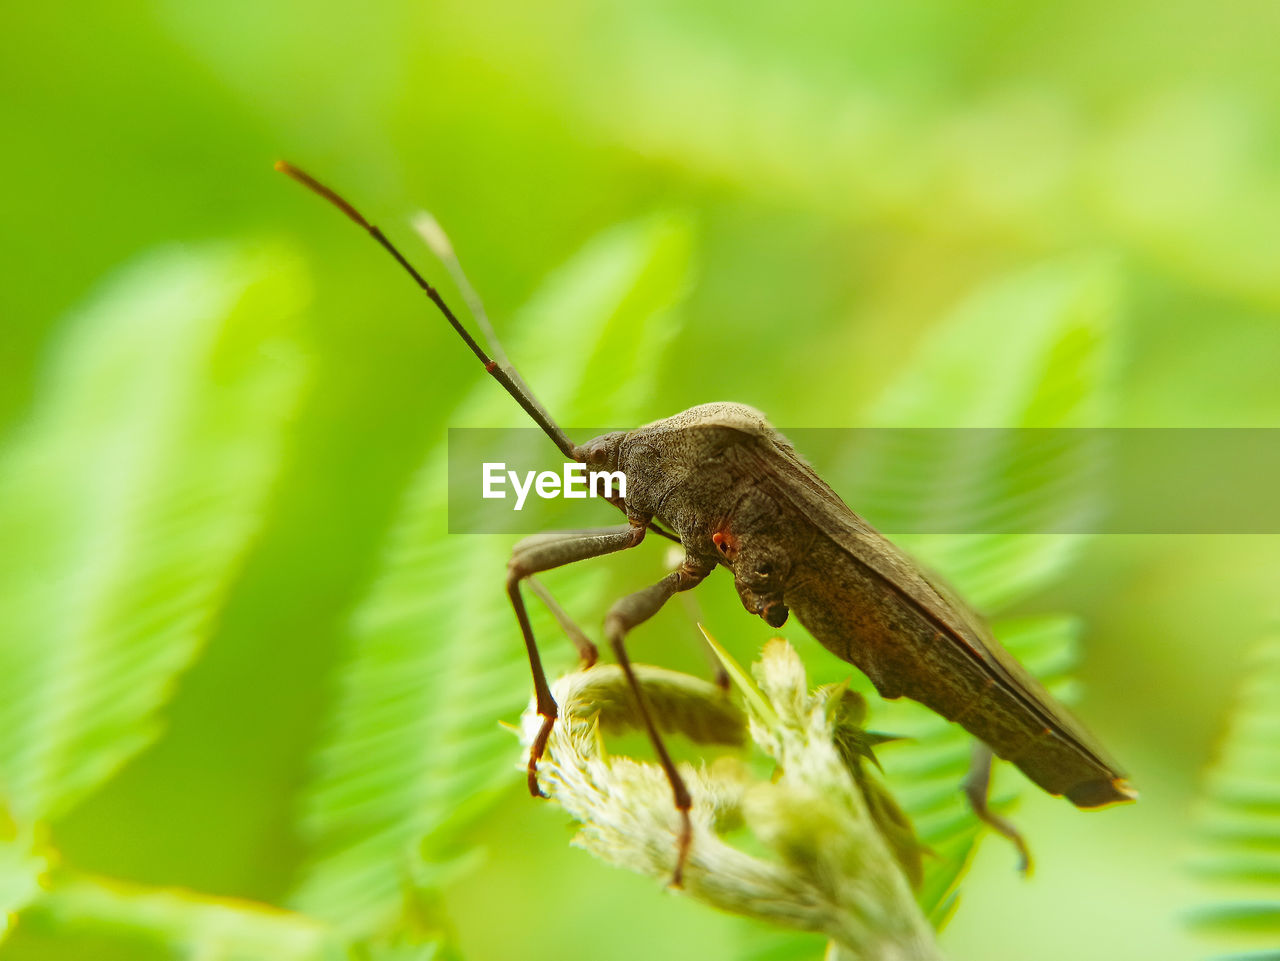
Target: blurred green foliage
<point>1239,860</point>
<point>248,688</point>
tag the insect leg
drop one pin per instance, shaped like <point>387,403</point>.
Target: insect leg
<point>586,650</point>
<point>542,552</point>
<point>977,788</point>
<point>622,617</point>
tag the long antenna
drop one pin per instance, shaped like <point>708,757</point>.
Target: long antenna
<point>522,395</point>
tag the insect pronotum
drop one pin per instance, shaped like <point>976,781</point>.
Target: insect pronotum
<point>719,480</point>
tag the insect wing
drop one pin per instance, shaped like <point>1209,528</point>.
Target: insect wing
<point>776,465</point>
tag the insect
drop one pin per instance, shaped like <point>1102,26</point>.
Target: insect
<point>732,491</point>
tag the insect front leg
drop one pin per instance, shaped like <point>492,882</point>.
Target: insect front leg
<point>542,552</point>
<point>977,788</point>
<point>622,617</point>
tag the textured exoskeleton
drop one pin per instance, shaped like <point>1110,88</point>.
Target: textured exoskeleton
<point>737,495</point>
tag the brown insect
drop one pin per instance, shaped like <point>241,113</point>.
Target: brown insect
<point>732,491</point>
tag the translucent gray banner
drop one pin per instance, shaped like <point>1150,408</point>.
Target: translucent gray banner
<point>937,481</point>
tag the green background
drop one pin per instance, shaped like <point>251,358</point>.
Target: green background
<point>783,205</point>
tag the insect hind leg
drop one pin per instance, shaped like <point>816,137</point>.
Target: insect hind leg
<point>977,788</point>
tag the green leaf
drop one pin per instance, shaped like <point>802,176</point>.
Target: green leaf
<point>1240,917</point>
<point>157,922</point>
<point>1034,350</point>
<point>757,703</point>
<point>1027,350</point>
<point>434,657</point>
<point>1239,859</point>
<point>128,503</point>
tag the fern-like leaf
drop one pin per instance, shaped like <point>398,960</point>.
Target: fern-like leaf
<point>1240,823</point>
<point>1034,350</point>
<point>127,504</point>
<point>148,922</point>
<point>434,658</point>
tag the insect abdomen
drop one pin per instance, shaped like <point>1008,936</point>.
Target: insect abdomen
<point>906,654</point>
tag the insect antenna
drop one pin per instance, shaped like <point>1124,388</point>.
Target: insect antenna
<point>503,373</point>
<point>435,237</point>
